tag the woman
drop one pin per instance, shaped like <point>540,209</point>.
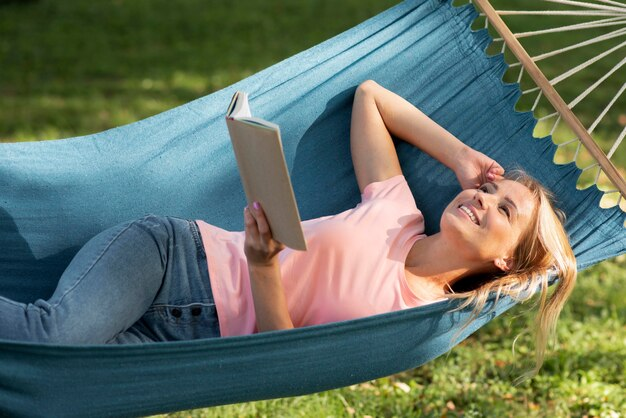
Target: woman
<point>160,279</point>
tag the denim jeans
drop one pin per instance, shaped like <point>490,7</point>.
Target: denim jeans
<point>141,281</point>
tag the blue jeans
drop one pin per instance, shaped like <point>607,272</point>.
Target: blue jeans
<point>141,281</point>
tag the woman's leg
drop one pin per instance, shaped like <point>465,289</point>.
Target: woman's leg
<point>107,287</point>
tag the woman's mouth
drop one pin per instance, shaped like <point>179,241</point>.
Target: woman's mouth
<point>469,213</point>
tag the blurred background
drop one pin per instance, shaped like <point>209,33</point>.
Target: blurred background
<point>71,67</point>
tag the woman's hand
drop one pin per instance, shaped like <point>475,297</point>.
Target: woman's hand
<point>260,247</point>
<point>473,168</point>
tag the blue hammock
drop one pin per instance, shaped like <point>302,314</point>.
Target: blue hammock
<point>55,195</point>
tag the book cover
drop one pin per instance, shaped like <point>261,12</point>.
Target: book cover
<point>263,170</point>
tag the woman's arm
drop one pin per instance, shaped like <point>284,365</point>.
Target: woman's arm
<point>261,249</point>
<point>377,113</point>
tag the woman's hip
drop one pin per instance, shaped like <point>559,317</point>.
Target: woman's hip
<point>184,307</point>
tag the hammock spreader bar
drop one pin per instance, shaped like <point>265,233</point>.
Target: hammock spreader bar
<point>57,194</point>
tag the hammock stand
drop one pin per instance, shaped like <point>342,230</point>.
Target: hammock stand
<point>54,193</point>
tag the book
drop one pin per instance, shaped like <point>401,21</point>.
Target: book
<point>259,153</point>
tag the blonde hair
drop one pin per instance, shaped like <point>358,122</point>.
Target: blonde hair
<point>543,250</point>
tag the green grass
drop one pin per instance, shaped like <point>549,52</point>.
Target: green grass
<point>70,68</point>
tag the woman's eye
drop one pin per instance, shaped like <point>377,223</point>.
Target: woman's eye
<point>483,188</point>
<point>506,211</point>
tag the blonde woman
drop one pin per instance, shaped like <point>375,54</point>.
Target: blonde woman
<point>163,278</point>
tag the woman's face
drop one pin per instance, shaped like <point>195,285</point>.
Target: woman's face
<point>485,224</point>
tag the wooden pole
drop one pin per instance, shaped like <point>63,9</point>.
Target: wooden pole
<point>552,95</point>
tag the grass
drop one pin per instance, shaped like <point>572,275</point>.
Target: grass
<point>72,68</point>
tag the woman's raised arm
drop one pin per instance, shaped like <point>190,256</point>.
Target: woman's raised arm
<point>378,113</point>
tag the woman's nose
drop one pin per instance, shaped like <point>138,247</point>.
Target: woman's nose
<point>483,199</point>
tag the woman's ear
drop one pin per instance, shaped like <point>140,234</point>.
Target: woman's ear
<point>504,264</point>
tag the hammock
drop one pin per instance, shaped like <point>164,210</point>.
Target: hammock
<point>58,194</point>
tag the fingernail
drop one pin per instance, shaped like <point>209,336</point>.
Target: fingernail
<point>256,205</point>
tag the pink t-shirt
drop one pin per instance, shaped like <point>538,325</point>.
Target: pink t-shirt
<point>354,267</point>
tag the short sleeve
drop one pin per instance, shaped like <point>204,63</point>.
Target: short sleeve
<point>394,188</point>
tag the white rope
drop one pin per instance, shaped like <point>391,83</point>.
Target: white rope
<point>616,3</point>
<point>595,181</point>
<point>616,144</point>
<point>610,35</point>
<point>621,9</point>
<point>578,26</point>
<point>596,84</point>
<point>595,123</point>
<point>537,100</point>
<point>562,144</point>
<point>585,64</point>
<point>541,119</point>
<point>521,72</point>
<point>606,109</point>
<point>581,67</point>
<point>555,124</point>
<point>577,150</point>
<point>557,12</point>
<point>589,167</point>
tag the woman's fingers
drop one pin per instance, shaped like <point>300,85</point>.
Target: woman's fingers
<point>260,247</point>
<point>261,221</point>
<point>495,171</point>
<point>251,228</point>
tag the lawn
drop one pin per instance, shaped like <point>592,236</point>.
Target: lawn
<point>71,67</point>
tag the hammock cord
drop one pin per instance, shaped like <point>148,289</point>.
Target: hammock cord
<point>616,3</point>
<point>606,109</point>
<point>581,67</point>
<point>589,62</point>
<point>556,12</point>
<point>607,36</point>
<point>534,107</point>
<point>621,9</point>
<point>618,142</point>
<point>596,84</point>
<point>556,123</point>
<point>613,13</point>
<point>541,119</point>
<point>574,27</point>
<point>521,73</point>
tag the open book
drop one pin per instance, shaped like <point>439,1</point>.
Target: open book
<point>263,170</point>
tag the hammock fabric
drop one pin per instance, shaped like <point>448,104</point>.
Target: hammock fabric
<point>58,194</point>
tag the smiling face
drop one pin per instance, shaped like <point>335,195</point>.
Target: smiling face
<point>485,224</point>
